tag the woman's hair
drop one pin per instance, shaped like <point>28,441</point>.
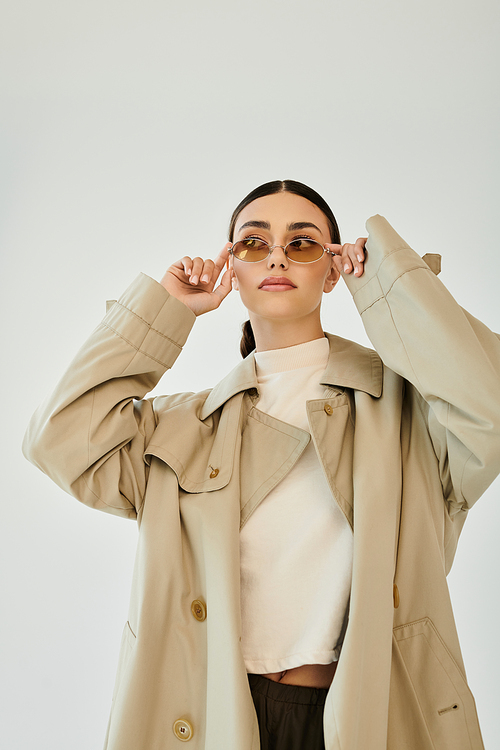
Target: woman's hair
<point>247,343</point>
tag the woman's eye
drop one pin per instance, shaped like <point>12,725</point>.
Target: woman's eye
<point>300,242</point>
<point>252,241</point>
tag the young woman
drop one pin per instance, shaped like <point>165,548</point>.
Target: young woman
<point>297,521</point>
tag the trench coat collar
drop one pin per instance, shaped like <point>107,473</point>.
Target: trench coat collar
<point>350,365</point>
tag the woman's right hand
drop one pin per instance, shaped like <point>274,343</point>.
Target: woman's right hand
<point>193,280</point>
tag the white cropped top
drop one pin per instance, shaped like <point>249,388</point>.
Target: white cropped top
<point>296,547</point>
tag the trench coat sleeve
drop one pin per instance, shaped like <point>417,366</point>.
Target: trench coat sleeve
<point>450,357</point>
<point>90,434</point>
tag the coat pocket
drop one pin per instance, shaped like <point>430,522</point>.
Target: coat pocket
<point>431,703</point>
<point>126,648</point>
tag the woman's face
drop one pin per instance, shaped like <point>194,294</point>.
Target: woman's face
<point>278,219</point>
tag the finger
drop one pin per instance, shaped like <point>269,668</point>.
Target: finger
<point>225,285</point>
<point>357,254</point>
<point>360,248</point>
<point>196,270</point>
<point>352,258</point>
<point>336,249</point>
<point>207,272</point>
<point>222,258</point>
<point>347,265</point>
<point>186,264</point>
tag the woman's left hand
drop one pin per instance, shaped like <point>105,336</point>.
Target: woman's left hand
<point>349,258</point>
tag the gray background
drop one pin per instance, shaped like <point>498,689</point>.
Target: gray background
<point>129,131</point>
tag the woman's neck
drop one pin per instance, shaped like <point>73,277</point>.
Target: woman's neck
<point>272,333</point>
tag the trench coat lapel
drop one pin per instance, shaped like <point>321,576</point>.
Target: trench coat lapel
<point>332,428</point>
<point>270,448</point>
<point>350,365</point>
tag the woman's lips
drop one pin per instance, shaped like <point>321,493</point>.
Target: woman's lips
<point>277,284</point>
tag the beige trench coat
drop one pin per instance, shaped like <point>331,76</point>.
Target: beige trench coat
<point>409,438</point>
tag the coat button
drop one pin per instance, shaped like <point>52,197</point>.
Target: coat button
<point>395,594</point>
<point>183,730</point>
<point>329,409</point>
<point>214,473</point>
<point>199,610</point>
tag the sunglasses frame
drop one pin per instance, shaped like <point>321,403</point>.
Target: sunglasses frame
<point>284,248</point>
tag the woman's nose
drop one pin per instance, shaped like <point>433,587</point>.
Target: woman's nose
<point>277,257</point>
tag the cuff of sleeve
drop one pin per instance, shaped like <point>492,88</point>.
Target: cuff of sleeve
<point>388,257</point>
<point>151,320</point>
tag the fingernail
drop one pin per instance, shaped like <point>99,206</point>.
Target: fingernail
<point>346,267</point>
<point>194,280</point>
<point>360,258</point>
<point>205,278</point>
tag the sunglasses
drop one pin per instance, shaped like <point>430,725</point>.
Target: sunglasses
<point>300,250</point>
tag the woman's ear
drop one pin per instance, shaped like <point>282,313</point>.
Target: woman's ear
<point>332,278</point>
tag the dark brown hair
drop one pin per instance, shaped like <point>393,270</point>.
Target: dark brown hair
<point>247,343</point>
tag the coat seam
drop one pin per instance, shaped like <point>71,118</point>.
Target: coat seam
<point>397,330</point>
<point>383,295</point>
<point>388,255</point>
<point>137,348</point>
<point>149,325</point>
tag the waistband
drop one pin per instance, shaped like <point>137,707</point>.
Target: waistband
<point>306,696</point>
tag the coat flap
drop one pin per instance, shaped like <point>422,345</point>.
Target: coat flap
<point>269,449</point>
<point>433,260</point>
<point>201,452</point>
<point>332,427</point>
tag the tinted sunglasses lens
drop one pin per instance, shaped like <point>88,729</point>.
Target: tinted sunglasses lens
<point>251,250</point>
<point>304,251</point>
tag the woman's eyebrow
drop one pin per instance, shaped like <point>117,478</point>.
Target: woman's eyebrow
<point>290,227</point>
<point>301,225</point>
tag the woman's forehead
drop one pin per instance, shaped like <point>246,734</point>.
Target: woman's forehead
<point>282,211</point>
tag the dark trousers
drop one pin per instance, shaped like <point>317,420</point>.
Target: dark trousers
<point>290,716</point>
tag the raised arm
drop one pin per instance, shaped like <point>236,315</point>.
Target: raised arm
<point>451,358</point>
<point>90,434</point>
